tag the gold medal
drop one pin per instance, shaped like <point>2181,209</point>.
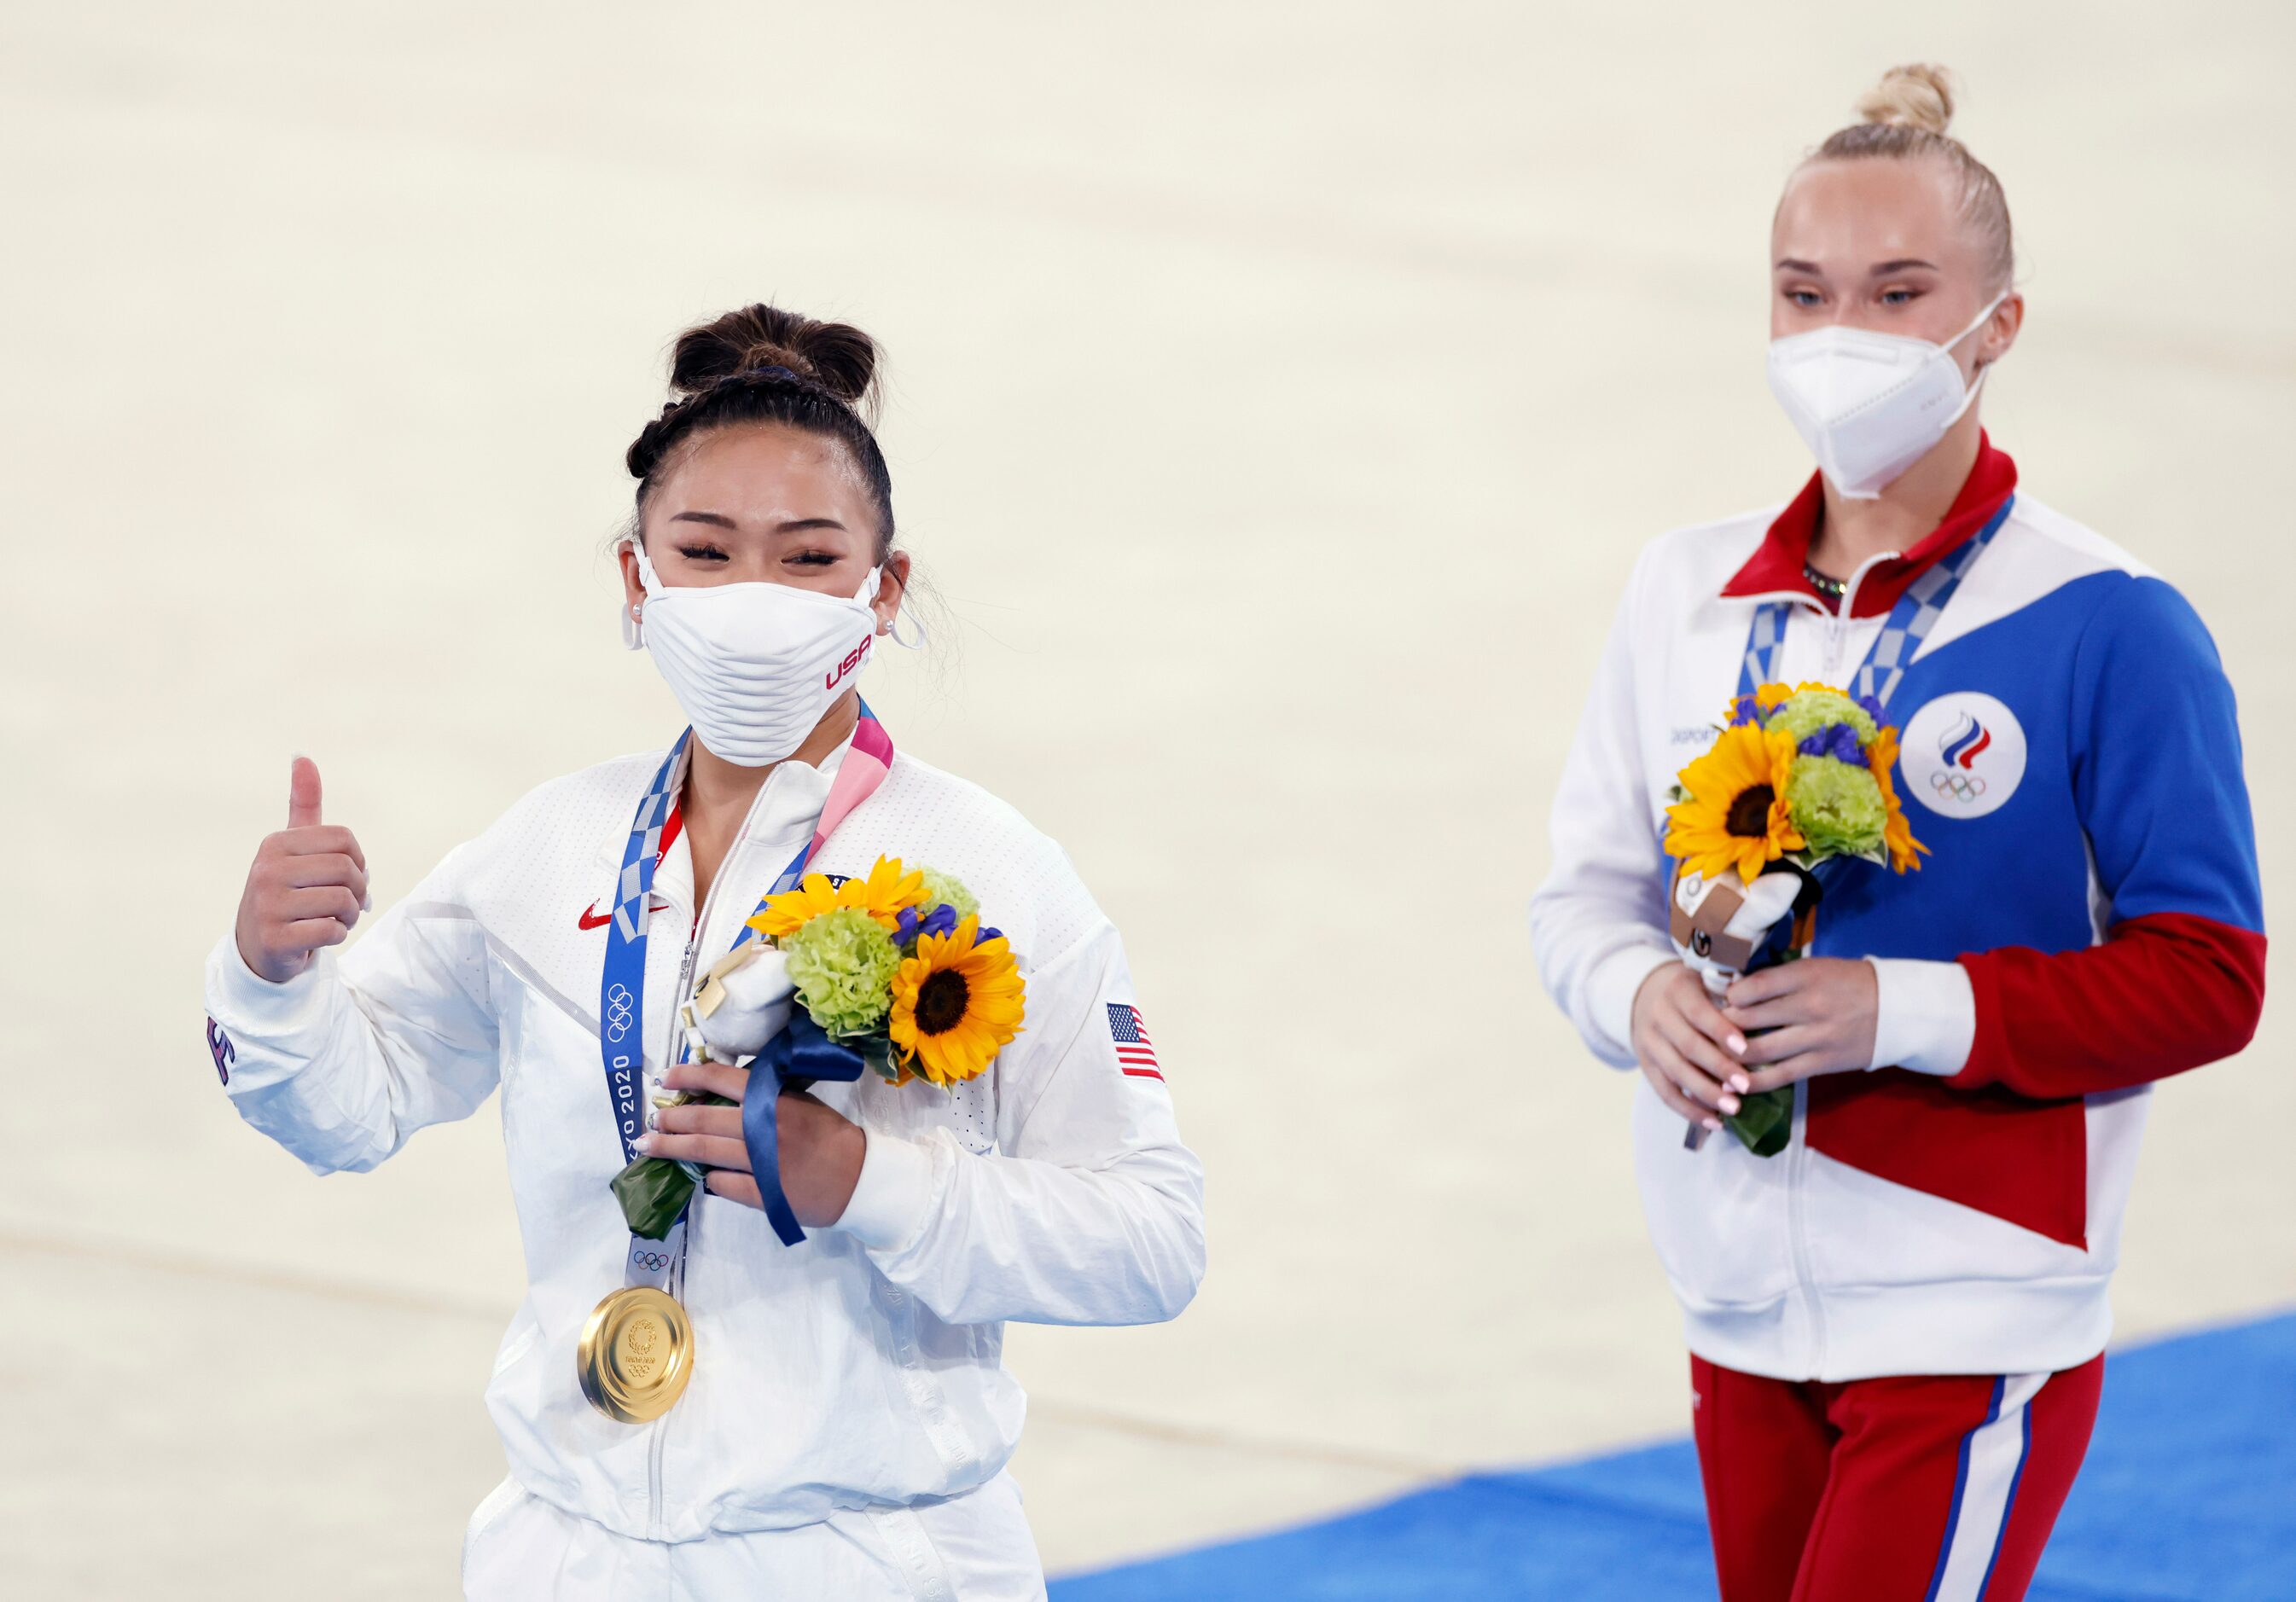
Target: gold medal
<point>635,1355</point>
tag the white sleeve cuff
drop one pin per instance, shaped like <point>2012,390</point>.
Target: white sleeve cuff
<point>1925,1016</point>
<point>1610,990</point>
<point>887,1207</point>
<point>241,998</point>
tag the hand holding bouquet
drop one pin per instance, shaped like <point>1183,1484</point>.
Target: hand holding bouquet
<point>1797,779</point>
<point>892,971</point>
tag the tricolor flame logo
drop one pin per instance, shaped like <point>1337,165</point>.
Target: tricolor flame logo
<point>1964,741</point>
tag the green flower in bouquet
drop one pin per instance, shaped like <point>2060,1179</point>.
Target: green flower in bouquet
<point>1813,707</point>
<point>843,963</point>
<point>1837,806</point>
<point>947,890</point>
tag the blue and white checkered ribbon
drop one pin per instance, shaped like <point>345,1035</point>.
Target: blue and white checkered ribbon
<point>1899,641</point>
<point>621,1006</point>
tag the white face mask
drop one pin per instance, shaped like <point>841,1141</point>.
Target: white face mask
<point>1870,406</point>
<point>754,666</point>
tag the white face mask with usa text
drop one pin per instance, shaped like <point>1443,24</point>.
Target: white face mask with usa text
<point>754,667</point>
<point>1869,405</point>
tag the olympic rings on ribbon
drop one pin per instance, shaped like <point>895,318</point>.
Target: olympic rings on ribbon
<point>618,1012</point>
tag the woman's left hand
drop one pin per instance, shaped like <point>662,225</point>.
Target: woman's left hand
<point>1820,1013</point>
<point>821,1151</point>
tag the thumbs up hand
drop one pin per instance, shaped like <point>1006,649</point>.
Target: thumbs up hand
<point>305,889</point>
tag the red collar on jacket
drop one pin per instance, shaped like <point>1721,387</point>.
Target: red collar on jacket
<point>1776,566</point>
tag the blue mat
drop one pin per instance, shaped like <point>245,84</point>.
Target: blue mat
<point>2188,1495</point>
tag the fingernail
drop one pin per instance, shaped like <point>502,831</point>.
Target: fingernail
<point>643,1143</point>
<point>1738,1045</point>
<point>1712,1124</point>
<point>1729,1105</point>
<point>1740,1083</point>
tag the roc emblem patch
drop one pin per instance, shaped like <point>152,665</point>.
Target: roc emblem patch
<point>1963,754</point>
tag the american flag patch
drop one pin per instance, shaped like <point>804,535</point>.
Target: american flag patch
<point>1135,1053</point>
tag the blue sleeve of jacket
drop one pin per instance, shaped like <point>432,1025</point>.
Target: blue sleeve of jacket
<point>2178,981</point>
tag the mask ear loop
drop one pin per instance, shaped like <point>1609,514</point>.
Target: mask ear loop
<point>871,587</point>
<point>1977,380</point>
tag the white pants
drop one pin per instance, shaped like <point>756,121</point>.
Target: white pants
<point>520,1549</point>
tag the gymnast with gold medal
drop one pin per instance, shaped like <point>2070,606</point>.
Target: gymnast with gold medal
<point>886,1087</point>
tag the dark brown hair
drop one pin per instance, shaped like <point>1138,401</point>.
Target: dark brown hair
<point>1906,116</point>
<point>762,365</point>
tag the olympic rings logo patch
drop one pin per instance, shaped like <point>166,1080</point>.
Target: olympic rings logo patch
<point>652,1261</point>
<point>618,1003</point>
<point>1963,787</point>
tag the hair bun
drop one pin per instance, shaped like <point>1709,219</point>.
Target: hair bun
<point>1917,96</point>
<point>835,355</point>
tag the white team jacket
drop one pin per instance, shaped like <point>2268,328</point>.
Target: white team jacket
<point>859,1368</point>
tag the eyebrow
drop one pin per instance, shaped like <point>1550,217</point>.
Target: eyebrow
<point>718,520</point>
<point>1881,269</point>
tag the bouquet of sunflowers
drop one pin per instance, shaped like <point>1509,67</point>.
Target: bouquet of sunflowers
<point>898,968</point>
<point>893,969</point>
<point>1797,779</point>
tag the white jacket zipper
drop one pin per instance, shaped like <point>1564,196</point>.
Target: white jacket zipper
<point>1837,635</point>
<point>668,1055</point>
<point>1837,624</point>
<point>1798,1228</point>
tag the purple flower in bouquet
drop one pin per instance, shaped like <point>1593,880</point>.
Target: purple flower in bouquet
<point>1837,740</point>
<point>942,920</point>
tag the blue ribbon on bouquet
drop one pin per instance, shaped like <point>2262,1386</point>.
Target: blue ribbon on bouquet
<point>800,1055</point>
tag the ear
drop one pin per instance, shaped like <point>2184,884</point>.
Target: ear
<point>633,591</point>
<point>2000,331</point>
<point>891,589</point>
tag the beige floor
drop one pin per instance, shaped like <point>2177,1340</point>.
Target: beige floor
<point>1280,395</point>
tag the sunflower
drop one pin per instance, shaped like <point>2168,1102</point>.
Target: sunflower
<point>1735,814</point>
<point>956,1003</point>
<point>1897,835</point>
<point>882,894</point>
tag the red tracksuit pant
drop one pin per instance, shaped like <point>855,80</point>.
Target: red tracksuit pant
<point>1937,1488</point>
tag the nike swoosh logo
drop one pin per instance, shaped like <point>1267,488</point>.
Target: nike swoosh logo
<point>596,919</point>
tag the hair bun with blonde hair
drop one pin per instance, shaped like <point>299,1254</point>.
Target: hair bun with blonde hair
<point>1914,96</point>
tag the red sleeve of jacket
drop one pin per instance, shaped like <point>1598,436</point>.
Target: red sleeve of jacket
<point>2166,992</point>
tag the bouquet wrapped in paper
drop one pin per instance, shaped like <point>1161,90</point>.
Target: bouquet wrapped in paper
<point>1796,782</point>
<point>894,969</point>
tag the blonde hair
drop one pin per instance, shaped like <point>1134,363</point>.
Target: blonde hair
<point>1905,117</point>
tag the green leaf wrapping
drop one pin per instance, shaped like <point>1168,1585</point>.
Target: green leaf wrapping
<point>653,1192</point>
<point>1764,1121</point>
<point>876,1050</point>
